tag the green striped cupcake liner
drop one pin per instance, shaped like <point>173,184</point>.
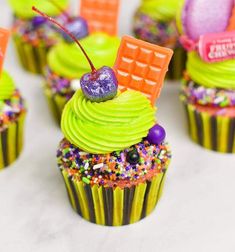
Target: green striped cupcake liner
<point>32,58</point>
<point>11,142</point>
<point>56,103</point>
<point>114,206</point>
<point>211,132</point>
<point>177,64</point>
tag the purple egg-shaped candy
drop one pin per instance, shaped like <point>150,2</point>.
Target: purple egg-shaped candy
<point>156,134</point>
<point>200,17</point>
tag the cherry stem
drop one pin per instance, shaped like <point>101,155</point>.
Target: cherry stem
<point>93,69</point>
<point>60,9</point>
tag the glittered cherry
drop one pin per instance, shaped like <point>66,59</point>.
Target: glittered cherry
<point>99,85</point>
<point>156,134</point>
<point>76,25</point>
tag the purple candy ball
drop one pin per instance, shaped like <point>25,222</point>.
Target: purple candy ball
<point>38,21</point>
<point>156,134</point>
<point>78,27</point>
<point>99,86</point>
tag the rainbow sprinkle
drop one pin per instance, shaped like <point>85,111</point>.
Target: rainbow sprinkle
<point>113,169</point>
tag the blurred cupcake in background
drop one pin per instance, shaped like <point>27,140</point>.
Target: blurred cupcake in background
<point>12,112</point>
<point>208,87</point>
<point>66,63</point>
<point>33,36</point>
<point>154,22</point>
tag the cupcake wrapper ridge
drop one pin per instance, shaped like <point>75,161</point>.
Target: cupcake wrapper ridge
<point>32,58</point>
<point>212,132</point>
<point>114,206</point>
<point>11,142</point>
<point>56,104</point>
<point>177,64</point>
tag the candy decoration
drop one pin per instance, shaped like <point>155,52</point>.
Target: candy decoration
<point>201,17</point>
<point>156,134</point>
<point>133,157</point>
<point>231,26</point>
<point>4,38</point>
<point>75,25</point>
<point>78,27</point>
<point>101,15</point>
<point>38,21</point>
<point>142,66</point>
<point>99,85</point>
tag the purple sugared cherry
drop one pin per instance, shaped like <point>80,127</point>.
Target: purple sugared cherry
<point>99,86</point>
<point>38,21</point>
<point>77,26</point>
<point>156,134</point>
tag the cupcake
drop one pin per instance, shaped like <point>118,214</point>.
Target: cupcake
<point>154,22</point>
<point>113,156</point>
<point>208,89</point>
<point>32,35</point>
<point>65,63</point>
<point>12,117</point>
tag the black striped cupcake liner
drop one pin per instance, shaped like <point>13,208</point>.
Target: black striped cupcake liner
<point>177,64</point>
<point>32,58</point>
<point>56,104</point>
<point>114,207</point>
<point>211,132</point>
<point>11,142</point>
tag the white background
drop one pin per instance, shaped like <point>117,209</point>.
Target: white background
<point>196,212</point>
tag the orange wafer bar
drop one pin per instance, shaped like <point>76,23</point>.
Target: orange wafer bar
<point>231,26</point>
<point>4,38</point>
<point>101,15</point>
<point>142,66</point>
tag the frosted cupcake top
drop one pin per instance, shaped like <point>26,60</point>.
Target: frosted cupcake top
<point>23,8</point>
<point>214,75</point>
<point>160,9</point>
<point>107,126</point>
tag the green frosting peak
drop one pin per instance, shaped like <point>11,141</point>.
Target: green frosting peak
<point>107,126</point>
<point>7,86</point>
<point>212,75</point>
<point>163,10</point>
<point>67,60</point>
<point>23,8</point>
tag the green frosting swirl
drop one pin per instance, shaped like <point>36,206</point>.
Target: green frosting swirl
<point>107,126</point>
<point>7,86</point>
<point>67,60</point>
<point>213,75</point>
<point>163,10</point>
<point>23,8</point>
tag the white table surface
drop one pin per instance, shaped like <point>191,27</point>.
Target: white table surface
<point>196,212</point>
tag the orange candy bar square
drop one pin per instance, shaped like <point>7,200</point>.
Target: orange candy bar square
<point>142,66</point>
<point>101,15</point>
<point>4,37</point>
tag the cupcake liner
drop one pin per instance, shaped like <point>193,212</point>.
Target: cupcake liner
<point>114,206</point>
<point>11,142</point>
<point>212,132</point>
<point>177,64</point>
<point>56,103</point>
<point>32,58</point>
